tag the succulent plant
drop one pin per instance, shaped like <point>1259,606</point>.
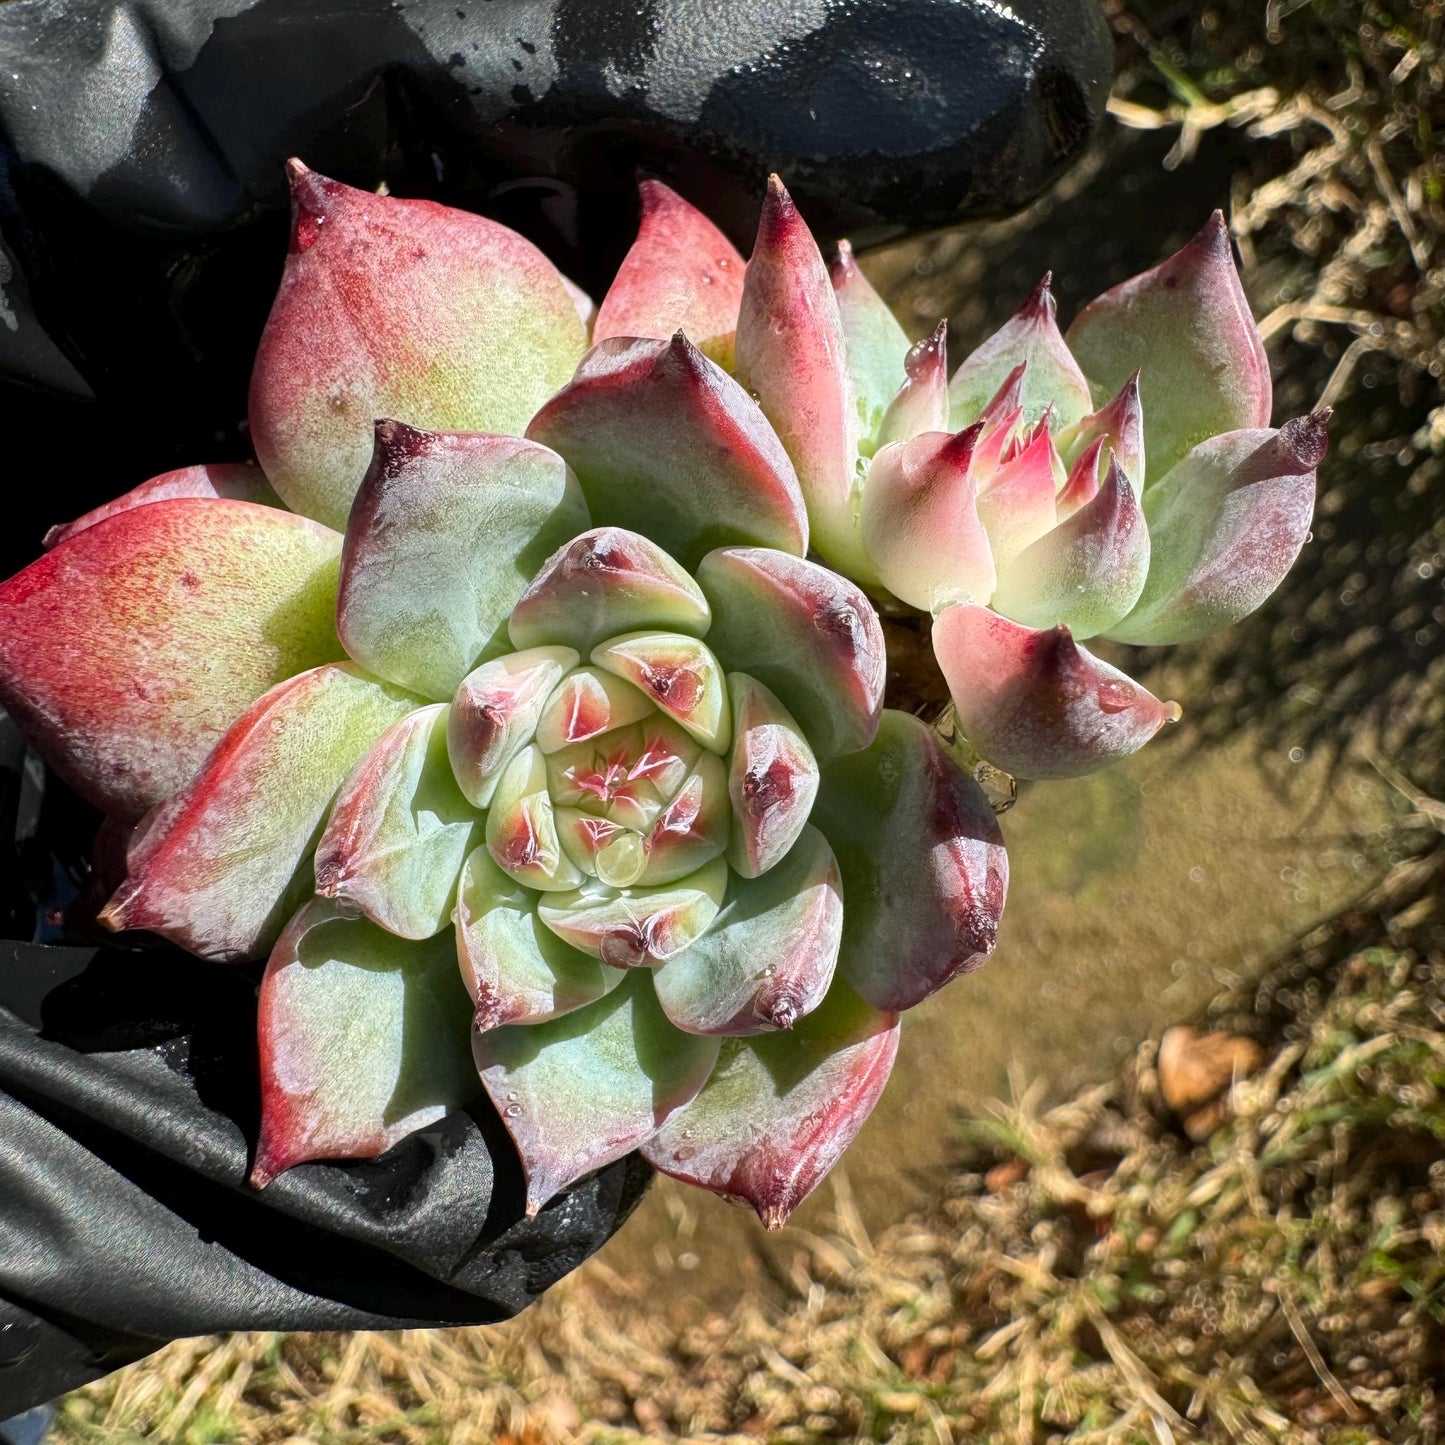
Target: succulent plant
<point>514,729</point>
<point>502,709</point>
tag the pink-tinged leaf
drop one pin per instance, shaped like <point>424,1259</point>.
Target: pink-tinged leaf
<point>626,775</point>
<point>779,1110</point>
<point>637,927</point>
<point>1017,506</point>
<point>587,703</point>
<point>1119,425</point>
<point>682,274</point>
<point>921,521</point>
<point>221,866</point>
<point>1006,409</point>
<point>128,649</point>
<point>231,481</point>
<point>1082,484</point>
<point>1187,323</point>
<point>806,633</point>
<point>1035,703</point>
<point>364,1040</point>
<point>923,864</point>
<point>602,583</point>
<point>693,828</point>
<point>399,831</point>
<point>447,530</point>
<point>398,308</point>
<point>1086,573</point>
<point>772,778</point>
<point>668,445</point>
<point>768,958</point>
<point>1225,526</point>
<point>522,829</point>
<point>601,847</point>
<point>1053,377</point>
<point>921,404</point>
<point>578,1092</point>
<point>496,712</point>
<point>874,346</point>
<point>679,674</point>
<point>516,970</point>
<point>791,354</point>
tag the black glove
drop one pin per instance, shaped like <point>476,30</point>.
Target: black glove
<point>142,223</point>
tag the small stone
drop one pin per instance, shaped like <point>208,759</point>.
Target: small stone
<point>1197,1072</point>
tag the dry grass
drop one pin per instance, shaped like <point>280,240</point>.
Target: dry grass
<point>1089,1276</point>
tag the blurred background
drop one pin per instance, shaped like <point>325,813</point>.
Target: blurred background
<point>1172,1166</point>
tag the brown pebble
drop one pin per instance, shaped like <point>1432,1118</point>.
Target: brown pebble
<point>1196,1071</point>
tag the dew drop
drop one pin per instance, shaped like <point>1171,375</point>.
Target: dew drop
<point>512,1110</point>
<point>1114,696</point>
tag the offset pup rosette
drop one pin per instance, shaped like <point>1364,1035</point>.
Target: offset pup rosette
<point>502,711</point>
<point>1121,481</point>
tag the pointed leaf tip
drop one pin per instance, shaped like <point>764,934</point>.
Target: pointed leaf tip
<point>681,273</point>
<point>356,332</point>
<point>780,1109</point>
<point>1036,704</point>
<point>920,520</point>
<point>1225,527</point>
<point>363,1039</point>
<point>1187,322</point>
<point>579,1091</point>
<point>1088,571</point>
<point>668,445</point>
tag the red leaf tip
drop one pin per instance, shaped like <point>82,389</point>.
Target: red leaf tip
<point>311,195</point>
<point>1308,438</point>
<point>1039,305</point>
<point>957,451</point>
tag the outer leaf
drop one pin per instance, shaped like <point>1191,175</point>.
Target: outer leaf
<point>772,778</point>
<point>682,274</point>
<point>637,927</point>
<point>580,1091</point>
<point>769,956</point>
<point>1036,704</point>
<point>233,481</point>
<point>804,632</point>
<point>681,677</point>
<point>363,1040</point>
<point>1087,572</point>
<point>1226,525</point>
<point>1052,378</point>
<point>779,1111</point>
<point>874,345</point>
<point>1187,323</point>
<point>667,444</point>
<point>447,530</point>
<point>921,521</point>
<point>220,867</point>
<point>921,404</point>
<point>516,970</point>
<point>496,712</point>
<point>522,827</point>
<point>602,583</point>
<point>791,354</point>
<point>406,309</point>
<point>400,831</point>
<point>923,862</point>
<point>127,650</point>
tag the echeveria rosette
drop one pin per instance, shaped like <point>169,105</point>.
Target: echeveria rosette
<point>1119,482</point>
<point>504,713</point>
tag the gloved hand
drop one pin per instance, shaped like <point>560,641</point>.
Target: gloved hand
<point>142,225</point>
